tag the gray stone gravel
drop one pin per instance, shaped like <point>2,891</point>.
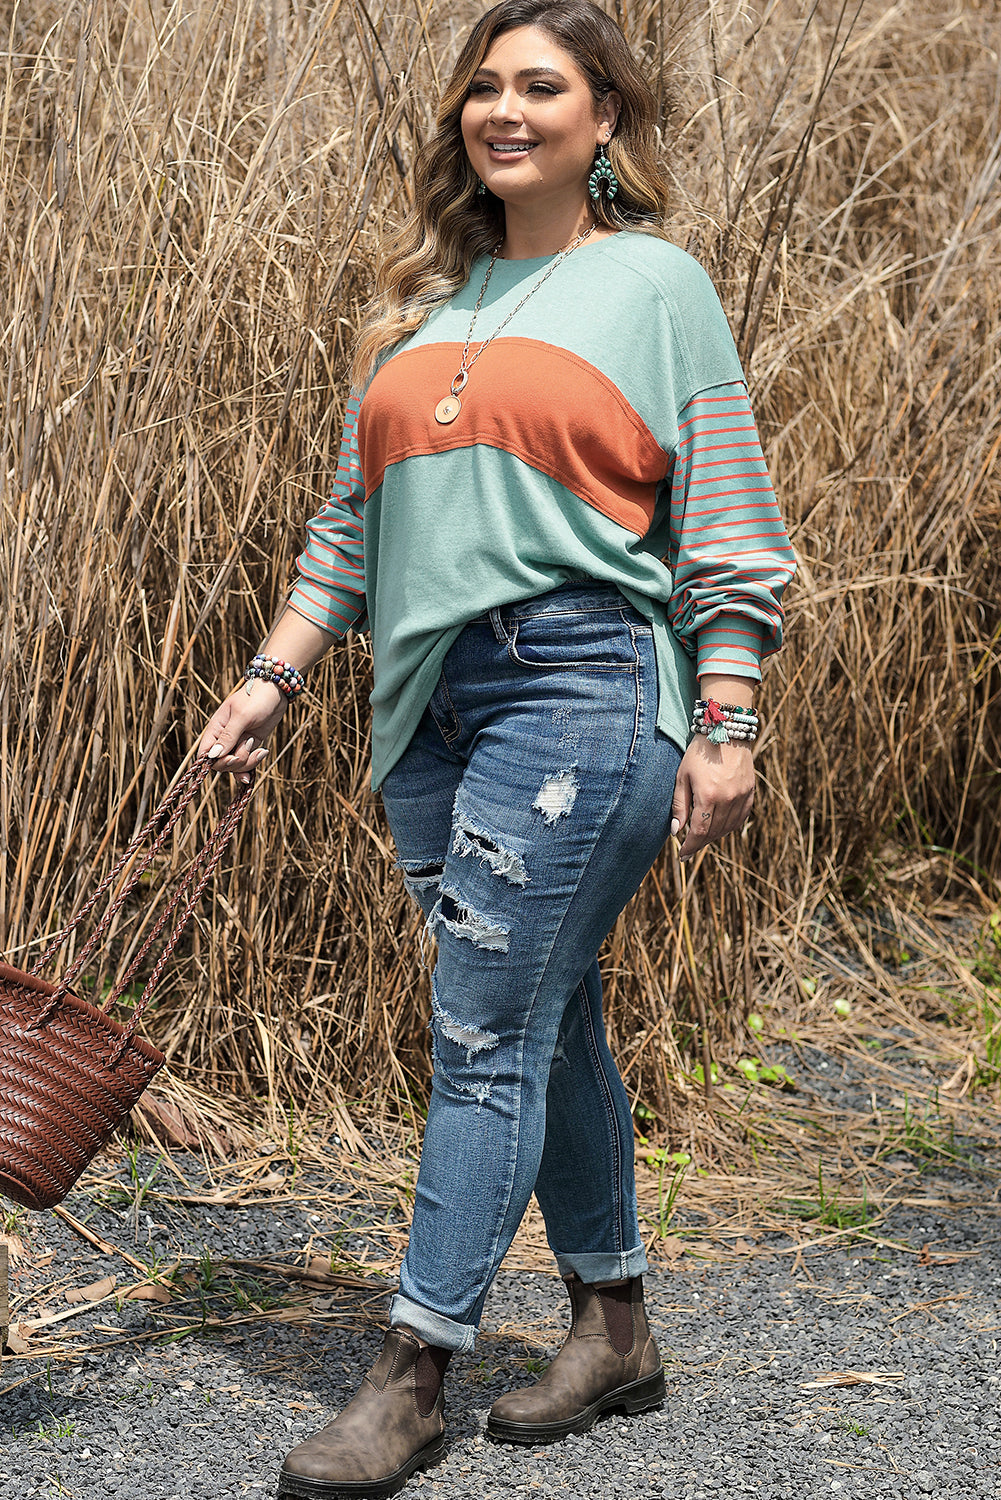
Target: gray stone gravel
<point>744,1338</point>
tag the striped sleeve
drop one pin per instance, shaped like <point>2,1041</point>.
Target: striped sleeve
<point>730,554</point>
<point>330,589</point>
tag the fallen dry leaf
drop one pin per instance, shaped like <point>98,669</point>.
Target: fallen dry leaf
<point>671,1248</point>
<point>15,1247</point>
<point>173,1125</point>
<point>92,1293</point>
<point>149,1291</point>
<point>18,1339</point>
<point>167,1122</point>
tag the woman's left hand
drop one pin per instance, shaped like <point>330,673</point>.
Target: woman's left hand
<point>713,793</point>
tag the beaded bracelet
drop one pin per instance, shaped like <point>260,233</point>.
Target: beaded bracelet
<point>269,669</point>
<point>734,710</point>
<point>707,711</point>
<point>723,722</point>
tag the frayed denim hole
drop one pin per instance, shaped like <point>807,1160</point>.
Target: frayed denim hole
<point>414,884</point>
<point>421,871</point>
<point>463,922</point>
<point>481,1091</point>
<point>506,863</point>
<point>465,1037</point>
<point>420,875</point>
<point>560,1058</point>
<point>462,1033</point>
<point>427,932</point>
<point>557,795</point>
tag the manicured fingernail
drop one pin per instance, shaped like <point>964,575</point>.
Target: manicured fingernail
<point>675,825</point>
<point>215,752</point>
<point>249,745</point>
<point>261,755</point>
<point>243,780</point>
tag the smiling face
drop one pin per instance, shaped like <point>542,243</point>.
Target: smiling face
<point>530,123</point>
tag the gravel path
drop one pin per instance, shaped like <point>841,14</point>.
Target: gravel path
<point>747,1340</point>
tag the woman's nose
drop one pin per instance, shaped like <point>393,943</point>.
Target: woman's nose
<point>508,106</point>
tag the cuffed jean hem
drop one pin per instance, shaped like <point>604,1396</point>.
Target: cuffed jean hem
<point>592,1268</point>
<point>442,1332</point>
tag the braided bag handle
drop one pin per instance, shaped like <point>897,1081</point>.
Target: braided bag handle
<point>156,831</point>
<point>180,906</point>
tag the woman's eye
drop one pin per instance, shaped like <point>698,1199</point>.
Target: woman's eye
<point>541,89</point>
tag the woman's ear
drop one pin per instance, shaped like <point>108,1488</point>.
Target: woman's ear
<point>608,116</point>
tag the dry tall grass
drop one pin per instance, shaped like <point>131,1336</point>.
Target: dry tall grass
<point>191,199</point>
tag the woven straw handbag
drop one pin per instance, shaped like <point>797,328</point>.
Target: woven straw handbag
<point>69,1072</point>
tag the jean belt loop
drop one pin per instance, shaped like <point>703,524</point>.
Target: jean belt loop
<point>500,629</point>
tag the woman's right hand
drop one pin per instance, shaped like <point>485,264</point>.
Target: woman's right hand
<point>233,736</point>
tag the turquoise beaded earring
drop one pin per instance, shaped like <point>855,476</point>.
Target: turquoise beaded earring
<point>602,177</point>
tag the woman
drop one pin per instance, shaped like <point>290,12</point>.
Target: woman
<point>548,403</point>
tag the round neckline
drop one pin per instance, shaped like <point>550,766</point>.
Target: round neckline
<point>544,260</point>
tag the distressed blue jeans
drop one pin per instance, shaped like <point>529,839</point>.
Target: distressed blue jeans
<point>533,798</point>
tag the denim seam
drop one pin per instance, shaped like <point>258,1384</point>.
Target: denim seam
<point>584,868</point>
<point>449,737</point>
<point>638,709</point>
<point>508,1187</point>
<point>613,805</point>
<point>613,1121</point>
<point>498,625</point>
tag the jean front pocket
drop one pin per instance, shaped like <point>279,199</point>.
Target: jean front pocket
<point>586,640</point>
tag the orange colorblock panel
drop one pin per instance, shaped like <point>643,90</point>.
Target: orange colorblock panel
<point>541,404</point>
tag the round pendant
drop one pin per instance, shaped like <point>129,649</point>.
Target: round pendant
<point>448,409</point>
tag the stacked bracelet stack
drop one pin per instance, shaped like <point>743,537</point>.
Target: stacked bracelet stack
<point>269,669</point>
<point>723,722</point>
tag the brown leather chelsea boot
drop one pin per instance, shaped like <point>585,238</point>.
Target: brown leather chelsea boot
<point>394,1426</point>
<point>609,1361</point>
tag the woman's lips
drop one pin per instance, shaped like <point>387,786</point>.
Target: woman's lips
<point>510,150</point>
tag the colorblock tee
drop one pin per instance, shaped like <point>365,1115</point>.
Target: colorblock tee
<point>605,433</point>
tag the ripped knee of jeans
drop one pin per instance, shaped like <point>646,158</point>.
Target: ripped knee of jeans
<point>464,921</point>
<point>421,875</point>
<point>471,841</point>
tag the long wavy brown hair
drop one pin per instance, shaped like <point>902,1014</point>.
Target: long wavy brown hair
<point>452,224</point>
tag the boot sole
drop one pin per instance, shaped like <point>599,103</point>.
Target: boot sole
<point>302,1488</point>
<point>639,1395</point>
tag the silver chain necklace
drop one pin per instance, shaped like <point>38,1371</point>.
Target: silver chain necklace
<point>449,406</point>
